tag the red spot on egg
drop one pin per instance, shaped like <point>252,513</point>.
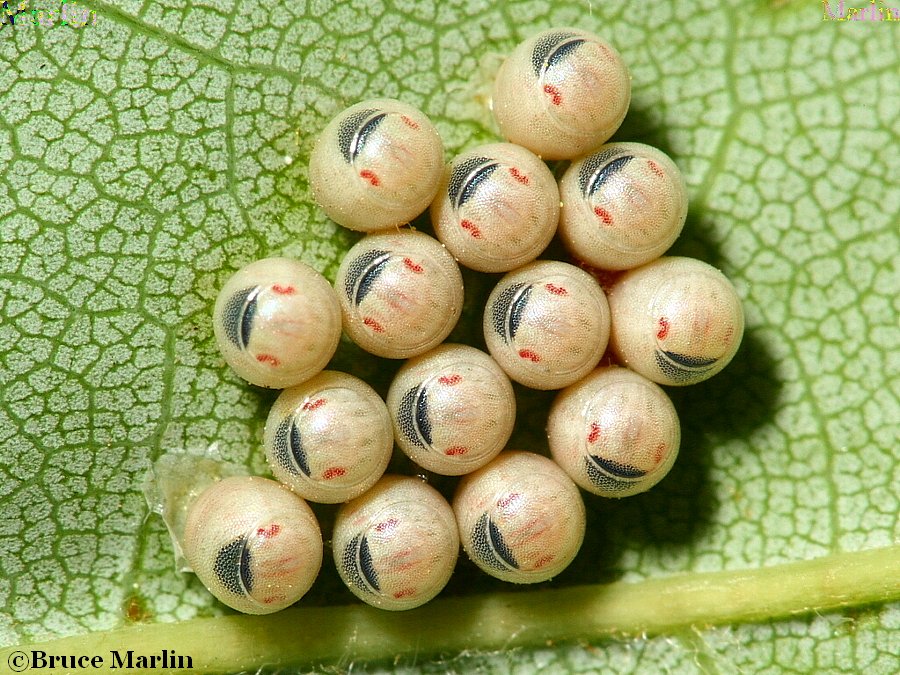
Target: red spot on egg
<point>269,531</point>
<point>373,324</point>
<point>283,290</point>
<point>654,167</point>
<point>518,175</point>
<point>603,215</point>
<point>553,93</point>
<point>543,561</point>
<point>660,452</point>
<point>556,290</point>
<point>268,358</point>
<point>370,176</point>
<point>450,379</point>
<point>409,121</point>
<point>530,355</point>
<point>405,593</point>
<point>508,499</point>
<point>312,405</point>
<point>334,472</point>
<point>415,267</point>
<point>729,335</point>
<point>471,228</point>
<point>388,524</point>
<point>456,450</point>
<point>663,328</point>
<point>595,433</point>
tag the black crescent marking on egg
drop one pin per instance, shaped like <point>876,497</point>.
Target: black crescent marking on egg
<point>562,50</point>
<point>348,132</point>
<point>603,480</point>
<point>232,567</point>
<point>412,416</point>
<point>682,367</point>
<point>489,546</point>
<point>506,312</point>
<point>516,309</point>
<point>367,129</point>
<point>358,565</point>
<point>289,450</point>
<point>458,177</point>
<point>592,163</point>
<point>362,272</point>
<point>545,47</point>
<point>592,180</point>
<point>617,469</point>
<point>467,177</point>
<point>237,316</point>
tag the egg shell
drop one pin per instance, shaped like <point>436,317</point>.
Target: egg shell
<point>453,409</point>
<point>376,165</point>
<point>676,320</point>
<point>400,293</point>
<point>395,546</point>
<point>255,545</point>
<point>497,207</point>
<point>615,433</point>
<point>547,324</point>
<point>521,518</point>
<point>561,93</point>
<point>622,206</point>
<point>277,322</point>
<point>330,438</point>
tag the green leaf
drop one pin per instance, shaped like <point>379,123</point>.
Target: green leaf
<point>148,156</point>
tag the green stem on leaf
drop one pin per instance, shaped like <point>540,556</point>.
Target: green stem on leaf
<point>341,635</point>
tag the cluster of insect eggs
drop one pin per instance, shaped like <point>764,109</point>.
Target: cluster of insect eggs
<point>399,293</point>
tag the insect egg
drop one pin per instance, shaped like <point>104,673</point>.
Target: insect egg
<point>623,206</point>
<point>675,320</point>
<point>277,322</point>
<point>330,438</point>
<point>547,324</point>
<point>256,546</point>
<point>497,207</point>
<point>453,409</point>
<point>520,517</point>
<point>615,432</point>
<point>376,165</point>
<point>395,546</point>
<point>401,293</point>
<point>561,93</point>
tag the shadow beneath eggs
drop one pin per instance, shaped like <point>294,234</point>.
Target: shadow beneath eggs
<point>639,126</point>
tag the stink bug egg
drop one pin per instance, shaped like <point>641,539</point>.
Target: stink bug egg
<point>561,93</point>
<point>453,409</point>
<point>614,432</point>
<point>497,207</point>
<point>277,322</point>
<point>675,320</point>
<point>623,206</point>
<point>256,546</point>
<point>330,438</point>
<point>401,293</point>
<point>376,165</point>
<point>395,547</point>
<point>521,518</point>
<point>547,324</point>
